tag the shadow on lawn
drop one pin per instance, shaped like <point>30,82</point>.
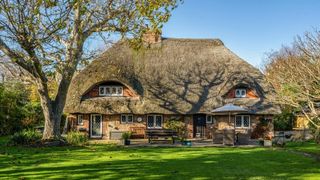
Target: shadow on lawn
<point>104,162</point>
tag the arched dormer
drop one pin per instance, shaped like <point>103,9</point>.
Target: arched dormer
<point>109,89</point>
<point>241,91</point>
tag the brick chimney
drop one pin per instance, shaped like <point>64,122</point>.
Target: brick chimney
<point>151,37</point>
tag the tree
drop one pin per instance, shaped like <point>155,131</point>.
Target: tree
<point>294,73</point>
<point>47,37</point>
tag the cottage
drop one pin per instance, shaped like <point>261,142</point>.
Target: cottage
<point>167,79</point>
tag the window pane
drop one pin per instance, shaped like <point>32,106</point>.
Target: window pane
<point>246,121</point>
<point>114,90</point>
<point>98,118</point>
<point>158,121</point>
<point>238,121</point>
<point>80,119</point>
<point>243,92</point>
<point>130,118</point>
<point>119,90</point>
<point>101,90</point>
<point>150,122</point>
<point>108,91</point>
<point>123,119</point>
<point>209,119</point>
<point>237,92</point>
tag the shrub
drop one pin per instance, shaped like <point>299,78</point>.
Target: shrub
<point>262,130</point>
<point>284,121</point>
<point>76,138</point>
<point>178,126</point>
<point>17,111</point>
<point>25,137</point>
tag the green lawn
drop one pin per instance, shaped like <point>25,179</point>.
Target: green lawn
<point>308,147</point>
<point>111,162</point>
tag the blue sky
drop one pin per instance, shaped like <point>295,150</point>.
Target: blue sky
<point>250,28</point>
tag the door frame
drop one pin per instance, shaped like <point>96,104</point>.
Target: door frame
<point>203,135</point>
<point>91,118</point>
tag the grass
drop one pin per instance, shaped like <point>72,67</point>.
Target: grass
<point>308,147</point>
<point>112,162</point>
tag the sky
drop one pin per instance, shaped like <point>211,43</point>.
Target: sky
<point>250,28</point>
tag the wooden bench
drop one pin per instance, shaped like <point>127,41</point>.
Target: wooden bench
<point>137,132</point>
<point>155,134</point>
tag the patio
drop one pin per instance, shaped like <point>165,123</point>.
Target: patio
<point>194,143</point>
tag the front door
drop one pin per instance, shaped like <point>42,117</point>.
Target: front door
<point>96,126</point>
<point>199,125</point>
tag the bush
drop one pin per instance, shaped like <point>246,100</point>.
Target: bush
<point>76,138</point>
<point>17,111</point>
<point>179,126</point>
<point>262,130</point>
<point>284,121</point>
<point>25,137</point>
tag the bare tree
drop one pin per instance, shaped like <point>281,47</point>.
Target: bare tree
<point>294,73</point>
<point>47,37</point>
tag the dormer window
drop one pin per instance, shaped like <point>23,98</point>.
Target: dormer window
<point>240,93</point>
<point>110,91</point>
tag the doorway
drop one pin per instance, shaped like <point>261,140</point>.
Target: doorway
<point>199,125</point>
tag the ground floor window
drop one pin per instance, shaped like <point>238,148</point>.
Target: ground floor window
<point>96,126</point>
<point>126,118</point>
<point>242,121</point>
<point>154,121</point>
<point>210,119</point>
<point>80,119</point>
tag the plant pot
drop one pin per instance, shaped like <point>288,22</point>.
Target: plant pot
<point>126,142</point>
<point>267,143</point>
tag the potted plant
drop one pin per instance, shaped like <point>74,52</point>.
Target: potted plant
<point>126,138</point>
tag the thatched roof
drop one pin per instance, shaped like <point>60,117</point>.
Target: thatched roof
<point>174,76</point>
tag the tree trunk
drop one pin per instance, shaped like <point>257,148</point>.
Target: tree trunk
<point>52,115</point>
<point>51,126</point>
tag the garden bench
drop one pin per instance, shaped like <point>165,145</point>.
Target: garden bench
<point>159,134</point>
<point>137,132</point>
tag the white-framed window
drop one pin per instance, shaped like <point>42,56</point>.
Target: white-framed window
<point>110,91</point>
<point>154,121</point>
<point>242,121</point>
<point>240,93</point>
<point>80,119</point>
<point>210,119</point>
<point>126,118</point>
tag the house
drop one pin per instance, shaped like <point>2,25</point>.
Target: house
<point>167,79</point>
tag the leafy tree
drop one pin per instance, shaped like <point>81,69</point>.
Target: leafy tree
<point>47,37</point>
<point>16,111</point>
<point>285,120</point>
<point>294,73</point>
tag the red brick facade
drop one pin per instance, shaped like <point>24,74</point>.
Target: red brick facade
<point>112,123</point>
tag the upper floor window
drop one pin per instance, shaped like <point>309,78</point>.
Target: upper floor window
<point>110,91</point>
<point>240,93</point>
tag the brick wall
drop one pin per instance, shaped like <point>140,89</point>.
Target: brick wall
<point>112,123</point>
